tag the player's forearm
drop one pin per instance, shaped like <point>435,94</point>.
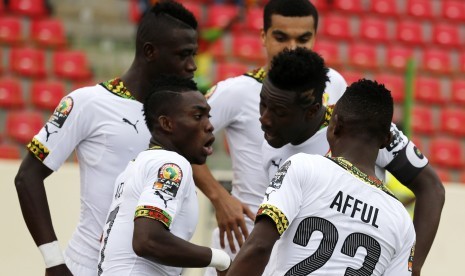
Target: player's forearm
<point>209,186</point>
<point>251,260</point>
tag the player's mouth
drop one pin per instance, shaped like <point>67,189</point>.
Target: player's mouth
<point>207,147</point>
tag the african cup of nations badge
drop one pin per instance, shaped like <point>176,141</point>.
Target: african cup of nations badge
<point>62,111</point>
<point>169,179</point>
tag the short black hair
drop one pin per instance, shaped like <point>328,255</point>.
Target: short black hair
<point>160,19</point>
<point>163,95</point>
<point>300,70</point>
<point>289,8</point>
<point>368,107</point>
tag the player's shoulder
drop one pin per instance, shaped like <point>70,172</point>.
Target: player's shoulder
<point>160,155</point>
<point>336,77</point>
<point>306,158</point>
<point>238,84</point>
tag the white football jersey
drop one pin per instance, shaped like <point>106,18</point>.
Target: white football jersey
<point>335,220</point>
<point>157,185</point>
<point>107,129</point>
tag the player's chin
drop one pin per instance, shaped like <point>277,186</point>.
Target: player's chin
<point>275,142</point>
<point>199,159</point>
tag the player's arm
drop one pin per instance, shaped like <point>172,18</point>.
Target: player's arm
<point>255,254</point>
<point>229,210</point>
<point>153,241</point>
<point>32,196</point>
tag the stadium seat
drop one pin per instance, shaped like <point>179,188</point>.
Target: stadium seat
<point>221,15</point>
<point>410,32</point>
<point>420,9</point>
<point>218,49</point>
<point>446,35</point>
<point>446,152</point>
<point>457,90</point>
<point>352,76</point>
<point>436,61</point>
<point>11,95</point>
<point>453,10</point>
<point>394,83</point>
<point>249,48</point>
<point>71,65</point>
<point>9,151</point>
<point>23,125</point>
<point>321,6</point>
<point>254,19</point>
<point>11,31</point>
<point>363,55</point>
<point>329,51</point>
<point>349,6</point>
<point>428,90</point>
<point>444,175</point>
<point>397,57</point>
<point>31,8</point>
<point>48,32</point>
<point>28,62</point>
<point>335,26</point>
<point>385,7</point>
<point>374,29</point>
<point>423,120</point>
<point>452,120</point>
<point>47,94</point>
<point>462,63</point>
<point>226,70</point>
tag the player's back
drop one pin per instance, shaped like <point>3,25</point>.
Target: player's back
<point>345,223</point>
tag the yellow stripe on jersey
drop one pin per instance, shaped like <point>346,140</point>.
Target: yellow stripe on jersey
<point>276,215</point>
<point>328,114</point>
<point>117,87</point>
<point>258,74</point>
<point>155,213</point>
<point>38,149</point>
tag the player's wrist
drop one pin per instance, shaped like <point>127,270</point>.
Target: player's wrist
<point>220,260</point>
<point>52,254</point>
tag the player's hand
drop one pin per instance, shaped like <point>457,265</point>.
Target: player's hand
<point>230,216</point>
<point>59,270</point>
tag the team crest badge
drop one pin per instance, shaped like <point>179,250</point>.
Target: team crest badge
<point>410,258</point>
<point>62,112</point>
<point>169,179</point>
<point>277,180</point>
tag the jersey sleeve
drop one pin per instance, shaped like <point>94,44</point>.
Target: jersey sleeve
<point>401,158</point>
<point>335,88</point>
<point>283,197</point>
<point>401,264</point>
<point>70,123</point>
<point>165,187</point>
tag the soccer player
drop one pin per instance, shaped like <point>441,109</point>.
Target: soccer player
<point>235,108</point>
<point>104,124</point>
<point>294,119</point>
<point>333,216</point>
<point>154,210</point>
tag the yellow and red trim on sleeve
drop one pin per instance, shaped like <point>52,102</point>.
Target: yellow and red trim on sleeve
<point>276,215</point>
<point>155,213</point>
<point>38,149</point>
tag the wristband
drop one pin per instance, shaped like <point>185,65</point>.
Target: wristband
<point>220,260</point>
<point>51,253</point>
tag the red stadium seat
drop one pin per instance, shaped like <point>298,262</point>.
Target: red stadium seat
<point>452,120</point>
<point>393,83</point>
<point>9,151</point>
<point>428,90</point>
<point>254,19</point>
<point>352,76</point>
<point>335,26</point>
<point>321,6</point>
<point>11,30</point>
<point>23,125</point>
<point>446,152</point>
<point>420,8</point>
<point>453,9</point>
<point>397,57</point>
<point>462,63</point>
<point>458,91</point>
<point>363,55</point>
<point>47,94</point>
<point>436,61</point>
<point>31,8</point>
<point>350,6</point>
<point>385,7</point>
<point>218,49</point>
<point>423,120</point>
<point>444,175</point>
<point>374,29</point>
<point>226,70</point>
<point>410,32</point>
<point>11,95</point>
<point>248,47</point>
<point>48,32</point>
<point>329,51</point>
<point>28,62</point>
<point>71,65</point>
<point>221,15</point>
<point>446,35</point>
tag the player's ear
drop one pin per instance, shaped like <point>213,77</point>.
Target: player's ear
<point>165,123</point>
<point>312,111</point>
<point>150,51</point>
<point>263,36</point>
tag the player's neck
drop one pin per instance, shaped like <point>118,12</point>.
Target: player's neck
<point>312,127</point>
<point>361,155</point>
<point>136,82</point>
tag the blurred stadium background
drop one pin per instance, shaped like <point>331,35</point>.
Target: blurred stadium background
<point>49,48</point>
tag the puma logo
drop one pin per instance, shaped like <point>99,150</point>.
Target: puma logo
<point>133,125</point>
<point>268,194</point>
<point>162,198</point>
<point>48,132</point>
<point>276,164</point>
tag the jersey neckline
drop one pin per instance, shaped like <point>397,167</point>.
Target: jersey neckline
<point>117,87</point>
<point>258,74</point>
